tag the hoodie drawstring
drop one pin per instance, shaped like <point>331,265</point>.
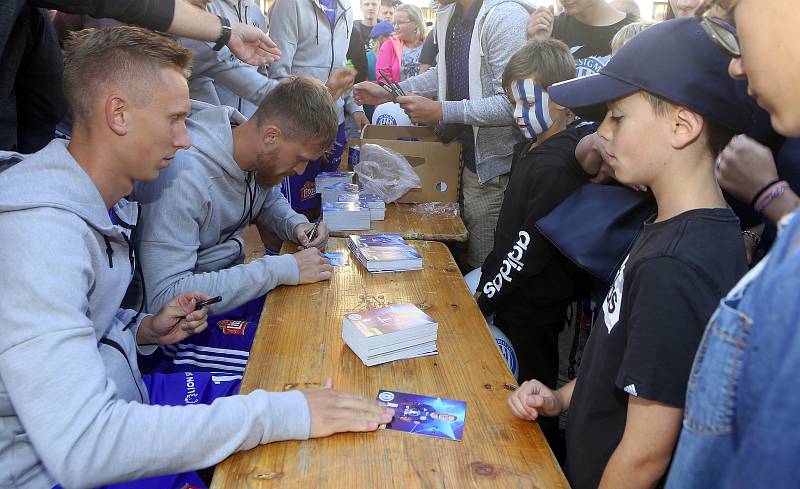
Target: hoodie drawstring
<point>109,252</point>
<point>136,268</point>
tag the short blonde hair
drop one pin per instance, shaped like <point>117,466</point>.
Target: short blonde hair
<point>627,33</point>
<point>104,59</point>
<point>414,15</point>
<point>303,108</point>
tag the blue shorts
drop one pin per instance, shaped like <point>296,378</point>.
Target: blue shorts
<point>181,389</point>
<point>223,347</point>
<point>300,190</point>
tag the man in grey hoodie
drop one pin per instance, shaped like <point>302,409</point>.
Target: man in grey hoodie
<point>476,38</point>
<point>193,214</point>
<point>219,77</point>
<point>313,36</point>
<point>73,407</point>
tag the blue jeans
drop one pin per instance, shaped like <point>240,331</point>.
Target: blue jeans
<point>740,426</point>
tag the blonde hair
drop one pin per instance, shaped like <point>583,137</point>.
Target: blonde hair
<point>303,108</point>
<point>98,60</point>
<point>627,33</point>
<point>378,42</point>
<point>414,15</point>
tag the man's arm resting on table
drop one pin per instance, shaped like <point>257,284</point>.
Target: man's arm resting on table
<point>642,457</point>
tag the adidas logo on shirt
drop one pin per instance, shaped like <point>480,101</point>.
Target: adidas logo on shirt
<point>631,389</point>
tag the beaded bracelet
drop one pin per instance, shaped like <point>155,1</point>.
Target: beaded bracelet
<point>754,236</point>
<point>773,193</point>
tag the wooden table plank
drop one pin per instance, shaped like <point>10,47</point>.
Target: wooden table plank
<point>402,219</point>
<point>299,344</point>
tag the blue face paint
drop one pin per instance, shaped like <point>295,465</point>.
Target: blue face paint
<point>531,108</point>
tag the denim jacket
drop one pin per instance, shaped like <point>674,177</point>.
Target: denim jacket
<point>740,426</point>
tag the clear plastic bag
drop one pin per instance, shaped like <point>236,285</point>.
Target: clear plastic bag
<point>385,172</point>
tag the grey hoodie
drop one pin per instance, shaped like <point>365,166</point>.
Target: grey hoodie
<point>192,216</point>
<point>308,44</point>
<point>219,77</point>
<point>73,408</point>
<point>500,31</point>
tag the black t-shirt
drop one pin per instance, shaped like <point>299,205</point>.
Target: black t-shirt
<point>590,45</point>
<point>365,31</point>
<point>430,50</point>
<point>644,340</point>
<point>525,278</point>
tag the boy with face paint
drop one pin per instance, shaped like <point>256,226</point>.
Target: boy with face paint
<point>526,282</point>
<point>531,108</point>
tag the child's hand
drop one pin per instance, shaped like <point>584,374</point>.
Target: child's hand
<point>533,399</point>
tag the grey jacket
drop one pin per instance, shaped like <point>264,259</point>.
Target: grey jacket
<point>73,407</point>
<point>192,216</point>
<point>308,44</point>
<point>219,77</point>
<point>500,31</point>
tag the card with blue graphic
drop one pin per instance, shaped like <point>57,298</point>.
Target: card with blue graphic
<point>423,415</point>
<point>336,258</point>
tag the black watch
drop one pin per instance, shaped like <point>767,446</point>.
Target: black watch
<point>225,35</point>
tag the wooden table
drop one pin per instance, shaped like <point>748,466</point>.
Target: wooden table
<point>299,344</point>
<point>402,219</point>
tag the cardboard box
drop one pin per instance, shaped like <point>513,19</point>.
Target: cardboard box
<point>438,165</point>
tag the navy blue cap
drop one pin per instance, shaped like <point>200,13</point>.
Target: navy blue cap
<point>382,28</point>
<point>674,60</point>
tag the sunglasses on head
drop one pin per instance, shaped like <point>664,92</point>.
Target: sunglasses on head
<point>720,31</point>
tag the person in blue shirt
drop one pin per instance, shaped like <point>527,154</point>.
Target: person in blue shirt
<point>740,423</point>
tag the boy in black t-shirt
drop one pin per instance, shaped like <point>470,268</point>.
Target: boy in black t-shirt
<point>586,26</point>
<point>672,108</point>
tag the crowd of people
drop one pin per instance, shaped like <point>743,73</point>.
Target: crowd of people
<point>638,179</point>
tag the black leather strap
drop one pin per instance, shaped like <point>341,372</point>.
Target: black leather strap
<point>225,35</point>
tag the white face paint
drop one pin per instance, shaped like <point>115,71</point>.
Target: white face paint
<point>531,108</point>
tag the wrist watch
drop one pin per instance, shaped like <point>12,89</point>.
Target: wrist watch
<point>225,35</point>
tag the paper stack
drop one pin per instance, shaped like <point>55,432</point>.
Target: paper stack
<point>385,252</point>
<point>377,207</point>
<point>328,178</point>
<point>390,333</point>
<point>345,216</point>
<point>331,193</point>
<point>375,203</point>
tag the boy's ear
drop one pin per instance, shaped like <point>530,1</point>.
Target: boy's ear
<point>687,126</point>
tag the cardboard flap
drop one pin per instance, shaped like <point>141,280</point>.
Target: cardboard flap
<point>438,165</point>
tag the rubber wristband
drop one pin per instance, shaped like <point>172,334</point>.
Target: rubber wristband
<point>224,35</point>
<point>773,194</point>
<point>762,191</point>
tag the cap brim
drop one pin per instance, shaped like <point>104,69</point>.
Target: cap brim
<point>587,96</point>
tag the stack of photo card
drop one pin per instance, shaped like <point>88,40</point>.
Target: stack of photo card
<point>375,203</point>
<point>345,216</point>
<point>377,207</point>
<point>331,193</point>
<point>385,253</point>
<point>328,178</point>
<point>390,333</point>
<point>424,415</point>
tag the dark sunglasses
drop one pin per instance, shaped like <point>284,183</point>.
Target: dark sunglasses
<point>718,30</point>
